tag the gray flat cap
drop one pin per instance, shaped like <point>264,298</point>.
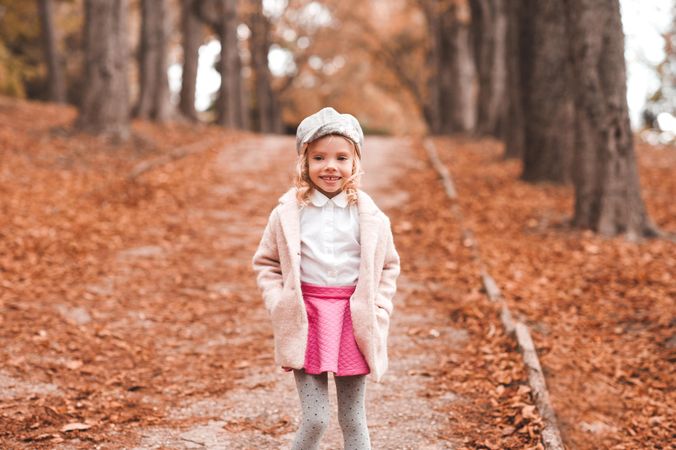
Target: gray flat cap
<point>329,121</point>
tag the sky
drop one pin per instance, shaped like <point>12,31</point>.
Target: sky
<point>643,21</point>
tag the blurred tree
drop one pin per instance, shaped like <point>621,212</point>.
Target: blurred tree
<point>489,27</point>
<point>298,39</point>
<point>221,16</point>
<point>55,78</point>
<point>153,99</point>
<point>267,117</point>
<point>514,117</point>
<point>68,19</point>
<point>395,71</point>
<point>437,59</point>
<point>11,72</point>
<point>449,105</point>
<point>21,50</point>
<point>192,35</point>
<point>230,104</point>
<point>607,191</point>
<point>105,102</point>
<point>548,105</point>
<point>24,65</point>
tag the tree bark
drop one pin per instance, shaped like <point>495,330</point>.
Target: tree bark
<point>222,16</point>
<point>450,103</point>
<point>432,106</point>
<point>489,25</point>
<point>55,78</point>
<point>192,39</point>
<point>458,104</point>
<point>153,100</point>
<point>514,120</point>
<point>229,104</point>
<point>244,95</point>
<point>105,104</point>
<point>607,191</point>
<point>264,97</point>
<point>548,106</point>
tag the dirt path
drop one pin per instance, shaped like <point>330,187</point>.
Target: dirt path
<point>131,312</point>
<point>400,415</point>
<point>130,319</point>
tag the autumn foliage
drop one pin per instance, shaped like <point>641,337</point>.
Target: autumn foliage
<point>124,299</point>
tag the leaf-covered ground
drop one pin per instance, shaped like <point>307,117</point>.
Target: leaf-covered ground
<point>602,310</point>
<point>129,316</point>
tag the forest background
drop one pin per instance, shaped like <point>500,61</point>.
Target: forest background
<point>306,68</point>
<point>523,72</point>
<point>133,135</point>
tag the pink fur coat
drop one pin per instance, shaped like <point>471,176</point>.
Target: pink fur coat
<point>277,266</point>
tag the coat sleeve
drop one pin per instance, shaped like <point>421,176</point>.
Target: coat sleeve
<point>388,279</point>
<point>267,266</point>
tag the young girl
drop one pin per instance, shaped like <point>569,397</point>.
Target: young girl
<point>327,268</point>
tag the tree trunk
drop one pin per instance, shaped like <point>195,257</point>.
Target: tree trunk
<point>432,106</point>
<point>489,26</point>
<point>607,190</point>
<point>457,72</point>
<point>229,106</point>
<point>276,114</point>
<point>450,104</point>
<point>105,104</point>
<point>192,39</point>
<point>55,79</point>
<point>153,80</point>
<point>244,95</point>
<point>264,99</point>
<point>514,121</point>
<point>259,63</point>
<point>548,106</point>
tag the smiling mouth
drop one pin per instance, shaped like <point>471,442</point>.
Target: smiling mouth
<point>329,178</point>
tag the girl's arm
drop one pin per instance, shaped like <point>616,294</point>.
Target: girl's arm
<point>267,266</point>
<point>388,279</point>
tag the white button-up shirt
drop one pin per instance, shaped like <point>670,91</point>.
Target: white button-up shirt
<point>329,241</point>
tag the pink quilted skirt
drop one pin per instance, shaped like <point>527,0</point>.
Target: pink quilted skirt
<point>331,346</point>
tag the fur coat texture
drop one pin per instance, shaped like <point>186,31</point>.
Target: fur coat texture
<point>277,267</point>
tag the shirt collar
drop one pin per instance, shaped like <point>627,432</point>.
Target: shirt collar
<point>319,200</point>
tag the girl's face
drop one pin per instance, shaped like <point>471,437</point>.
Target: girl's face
<point>330,161</point>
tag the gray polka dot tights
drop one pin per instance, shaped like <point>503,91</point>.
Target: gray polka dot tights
<point>313,391</point>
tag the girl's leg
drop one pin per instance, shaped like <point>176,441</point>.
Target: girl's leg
<point>313,391</point>
<point>351,391</point>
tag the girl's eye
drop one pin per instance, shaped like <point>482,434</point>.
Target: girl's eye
<point>317,158</point>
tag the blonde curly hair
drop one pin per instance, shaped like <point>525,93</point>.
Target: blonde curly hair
<point>304,185</point>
